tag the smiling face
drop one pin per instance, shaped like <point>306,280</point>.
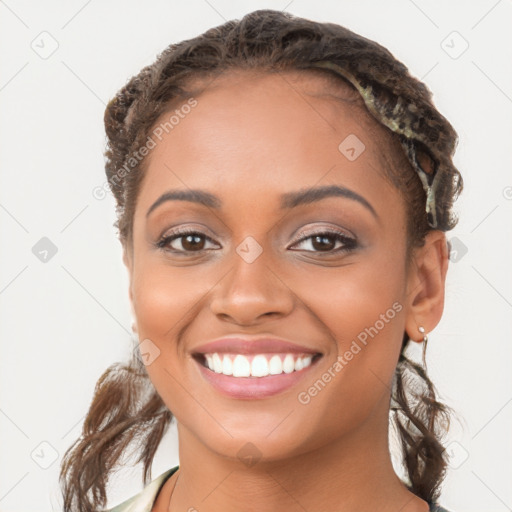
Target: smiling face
<point>326,272</point>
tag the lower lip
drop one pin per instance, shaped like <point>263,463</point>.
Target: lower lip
<point>253,388</point>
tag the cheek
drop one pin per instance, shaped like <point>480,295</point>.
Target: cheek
<point>164,297</point>
<point>351,298</point>
<point>361,309</point>
<point>167,300</point>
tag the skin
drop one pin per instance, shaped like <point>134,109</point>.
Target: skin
<point>250,139</point>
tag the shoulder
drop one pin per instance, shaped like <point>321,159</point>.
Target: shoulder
<point>144,500</point>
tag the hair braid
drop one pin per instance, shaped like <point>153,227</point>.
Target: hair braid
<point>421,421</point>
<point>125,407</point>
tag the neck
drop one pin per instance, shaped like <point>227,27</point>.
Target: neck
<point>352,473</point>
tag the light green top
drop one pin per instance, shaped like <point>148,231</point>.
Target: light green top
<point>144,501</point>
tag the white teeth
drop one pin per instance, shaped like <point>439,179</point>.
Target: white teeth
<point>288,364</point>
<point>227,365</point>
<point>241,366</point>
<point>275,365</point>
<point>260,365</point>
<point>217,363</point>
<point>306,361</point>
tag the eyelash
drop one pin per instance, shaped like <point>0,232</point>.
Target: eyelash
<point>349,244</point>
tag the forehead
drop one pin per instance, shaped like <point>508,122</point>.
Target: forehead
<point>251,132</point>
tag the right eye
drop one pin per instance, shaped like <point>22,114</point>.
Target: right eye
<point>192,241</point>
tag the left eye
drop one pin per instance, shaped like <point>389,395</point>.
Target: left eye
<point>326,242</point>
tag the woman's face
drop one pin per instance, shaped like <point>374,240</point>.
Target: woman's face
<point>325,273</point>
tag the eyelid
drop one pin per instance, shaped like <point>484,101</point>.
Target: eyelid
<point>322,229</point>
<point>185,230</point>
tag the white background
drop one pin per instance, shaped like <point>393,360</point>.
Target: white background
<point>64,321</point>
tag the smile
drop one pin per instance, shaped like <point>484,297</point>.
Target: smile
<point>257,365</point>
<point>255,376</point>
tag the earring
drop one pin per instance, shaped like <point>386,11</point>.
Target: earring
<point>422,330</point>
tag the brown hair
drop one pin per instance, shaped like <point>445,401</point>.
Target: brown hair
<point>126,408</point>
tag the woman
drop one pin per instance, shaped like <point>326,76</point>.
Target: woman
<point>283,188</point>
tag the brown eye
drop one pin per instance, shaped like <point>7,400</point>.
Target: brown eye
<point>327,242</point>
<point>323,242</point>
<point>191,241</point>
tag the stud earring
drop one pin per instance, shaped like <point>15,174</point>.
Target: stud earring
<point>422,331</point>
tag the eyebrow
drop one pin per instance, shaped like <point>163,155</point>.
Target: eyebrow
<point>288,200</point>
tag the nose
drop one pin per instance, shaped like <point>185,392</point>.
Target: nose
<point>251,293</point>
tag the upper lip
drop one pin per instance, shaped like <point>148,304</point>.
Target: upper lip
<point>240,345</point>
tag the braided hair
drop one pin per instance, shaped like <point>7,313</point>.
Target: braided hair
<point>126,408</point>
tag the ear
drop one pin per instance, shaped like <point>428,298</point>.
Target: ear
<point>426,285</point>
<point>128,262</point>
